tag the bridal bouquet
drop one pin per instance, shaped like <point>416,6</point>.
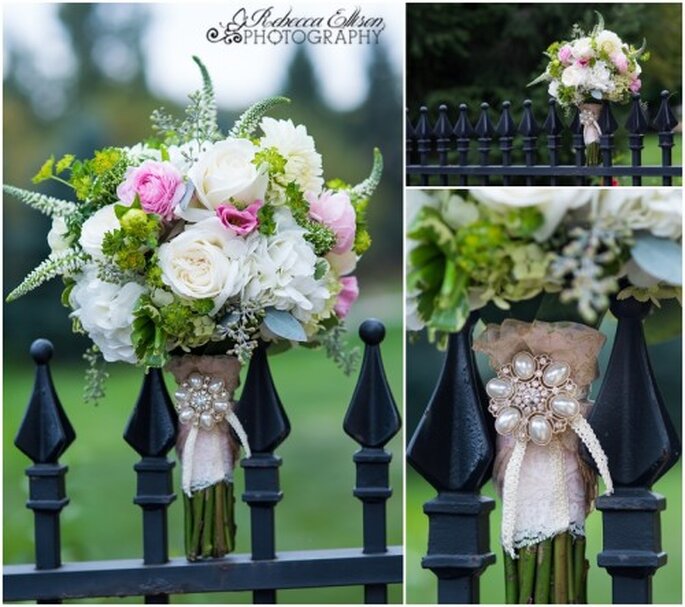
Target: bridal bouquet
<point>541,265</point>
<point>186,251</point>
<point>588,69</point>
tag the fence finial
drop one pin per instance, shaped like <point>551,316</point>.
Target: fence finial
<point>484,128</point>
<point>423,129</point>
<point>260,409</point>
<point>451,447</point>
<point>152,427</point>
<point>629,415</point>
<point>372,418</point>
<point>553,125</point>
<point>463,128</point>
<point>409,126</point>
<point>637,119</point>
<point>528,126</point>
<point>506,126</point>
<point>443,128</point>
<point>45,432</point>
<point>664,120</point>
<point>607,122</point>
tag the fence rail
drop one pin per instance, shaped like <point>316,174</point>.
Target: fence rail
<point>45,434</point>
<point>453,449</point>
<point>441,153</point>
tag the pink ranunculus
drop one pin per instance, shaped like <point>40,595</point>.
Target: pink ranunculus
<point>583,62</point>
<point>565,54</point>
<point>620,61</point>
<point>159,185</point>
<point>334,209</point>
<point>241,222</point>
<point>635,85</point>
<point>347,296</point>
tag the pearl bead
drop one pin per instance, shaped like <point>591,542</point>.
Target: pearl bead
<point>556,374</point>
<point>499,388</point>
<point>181,394</point>
<point>195,381</point>
<point>507,420</point>
<point>524,365</point>
<point>206,420</point>
<point>216,385</point>
<point>186,415</point>
<point>564,405</point>
<point>539,430</point>
<point>221,406</point>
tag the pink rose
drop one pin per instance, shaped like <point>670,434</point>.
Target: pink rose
<point>635,85</point>
<point>334,210</point>
<point>583,62</point>
<point>159,186</point>
<point>241,222</point>
<point>620,61</point>
<point>565,53</point>
<point>347,296</point>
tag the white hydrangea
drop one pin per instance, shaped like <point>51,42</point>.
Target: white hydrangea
<point>105,311</point>
<point>303,163</point>
<point>282,272</point>
<point>599,77</point>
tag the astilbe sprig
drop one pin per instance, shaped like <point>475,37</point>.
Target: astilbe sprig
<point>48,205</point>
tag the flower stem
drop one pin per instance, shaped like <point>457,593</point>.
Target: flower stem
<point>580,570</point>
<point>229,505</point>
<point>219,520</point>
<point>208,523</point>
<point>198,509</point>
<point>542,576</point>
<point>560,569</point>
<point>187,522</point>
<point>572,593</point>
<point>526,574</point>
<point>511,580</point>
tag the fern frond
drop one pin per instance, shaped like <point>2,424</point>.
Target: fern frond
<point>64,262</point>
<point>248,122</point>
<point>49,205</point>
<point>366,188</point>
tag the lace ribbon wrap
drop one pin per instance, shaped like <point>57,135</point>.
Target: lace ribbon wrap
<point>207,452</point>
<point>546,488</point>
<point>589,119</point>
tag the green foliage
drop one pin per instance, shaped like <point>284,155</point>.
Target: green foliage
<point>63,262</point>
<point>48,205</point>
<point>96,376</point>
<point>249,120</point>
<point>95,180</point>
<point>267,224</point>
<point>46,171</point>
<point>148,338</point>
<point>366,188</point>
<point>333,342</point>
<point>273,160</point>
<point>129,245</point>
<point>321,237</point>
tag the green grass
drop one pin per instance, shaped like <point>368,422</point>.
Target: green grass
<point>651,156</point>
<point>421,583</point>
<point>317,475</point>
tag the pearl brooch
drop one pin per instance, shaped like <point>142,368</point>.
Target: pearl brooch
<point>202,400</point>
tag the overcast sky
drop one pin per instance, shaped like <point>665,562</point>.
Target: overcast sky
<point>242,73</point>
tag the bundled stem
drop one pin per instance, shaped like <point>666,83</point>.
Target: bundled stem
<point>526,571</point>
<point>209,525</point>
<point>542,575</point>
<point>560,569</point>
<point>511,579</point>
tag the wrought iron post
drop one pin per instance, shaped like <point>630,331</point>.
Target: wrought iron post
<point>608,125</point>
<point>665,122</point>
<point>424,134</point>
<point>485,130</point>
<point>453,450</point>
<point>265,421</point>
<point>506,129</point>
<point>442,133</point>
<point>463,131</point>
<point>151,431</point>
<point>44,435</point>
<point>372,419</point>
<point>633,426</point>
<point>529,129</point>
<point>553,126</point>
<point>637,127</point>
<point>578,143</point>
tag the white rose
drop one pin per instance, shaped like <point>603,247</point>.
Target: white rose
<point>105,311</point>
<point>608,41</point>
<point>574,75</point>
<point>659,210</point>
<point>94,229</point>
<point>552,203</point>
<point>204,262</point>
<point>225,173</point>
<point>57,236</point>
<point>582,49</point>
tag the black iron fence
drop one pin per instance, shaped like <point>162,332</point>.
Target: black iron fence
<point>453,449</point>
<point>45,433</point>
<point>441,153</point>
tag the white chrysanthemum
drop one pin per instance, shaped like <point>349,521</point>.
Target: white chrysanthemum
<point>105,311</point>
<point>608,41</point>
<point>303,162</point>
<point>282,272</point>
